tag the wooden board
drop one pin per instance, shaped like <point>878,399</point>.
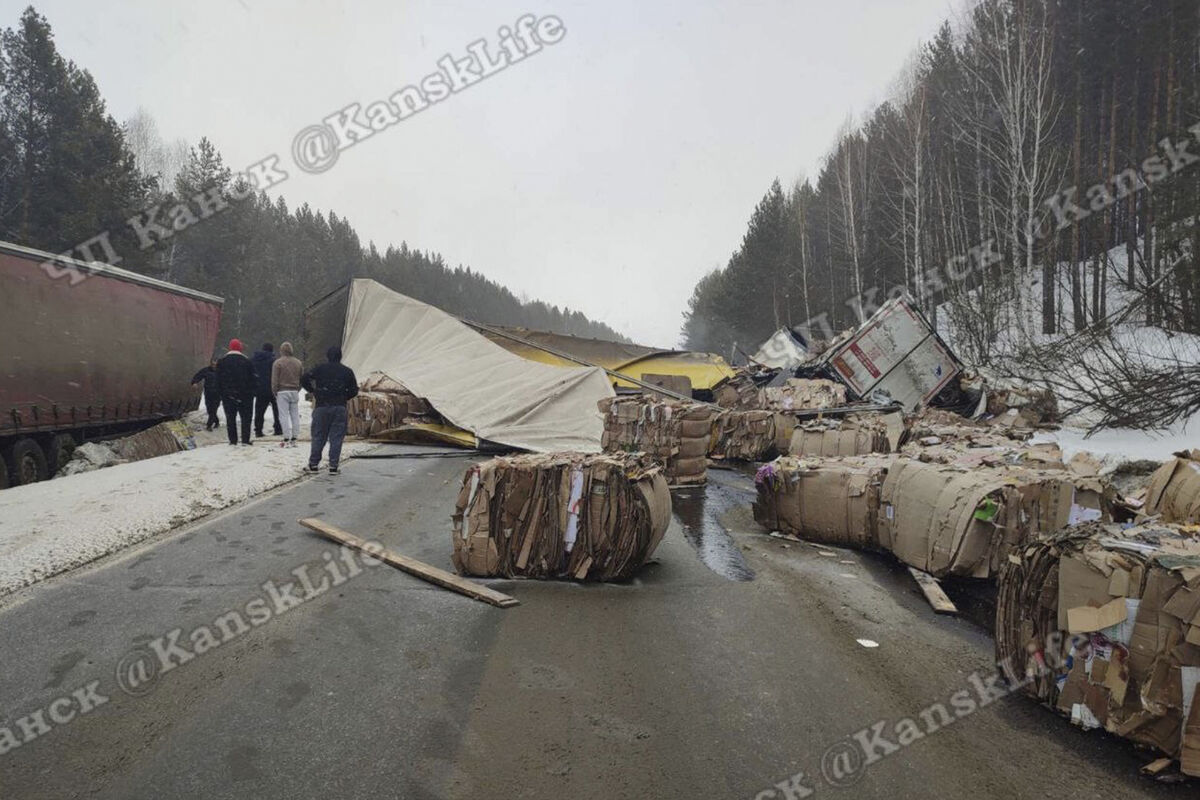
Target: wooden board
<point>933,592</point>
<point>440,577</point>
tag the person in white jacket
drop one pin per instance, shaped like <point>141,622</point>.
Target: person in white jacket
<point>285,384</point>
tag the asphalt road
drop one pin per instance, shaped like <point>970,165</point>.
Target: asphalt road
<point>729,666</point>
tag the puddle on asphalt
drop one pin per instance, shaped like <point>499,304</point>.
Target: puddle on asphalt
<point>698,514</point>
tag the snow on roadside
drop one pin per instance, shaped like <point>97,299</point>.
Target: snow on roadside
<point>50,527</point>
<point>1120,444</point>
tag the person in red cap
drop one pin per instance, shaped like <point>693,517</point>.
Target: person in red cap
<point>236,382</point>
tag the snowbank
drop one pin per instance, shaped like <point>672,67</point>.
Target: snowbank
<point>1120,445</point>
<point>50,527</point>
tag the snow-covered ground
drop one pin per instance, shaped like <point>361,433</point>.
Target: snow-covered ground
<point>60,524</point>
<point>1120,445</point>
<point>1151,346</point>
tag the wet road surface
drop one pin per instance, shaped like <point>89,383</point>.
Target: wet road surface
<point>731,667</point>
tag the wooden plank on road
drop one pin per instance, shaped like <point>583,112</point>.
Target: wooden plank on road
<point>933,592</point>
<point>426,572</point>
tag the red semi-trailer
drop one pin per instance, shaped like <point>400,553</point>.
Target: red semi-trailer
<point>88,351</point>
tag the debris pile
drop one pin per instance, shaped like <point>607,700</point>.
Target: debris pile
<point>1174,490</point>
<point>750,435</point>
<point>1103,624</point>
<point>560,515</point>
<point>673,433</point>
<point>805,393</point>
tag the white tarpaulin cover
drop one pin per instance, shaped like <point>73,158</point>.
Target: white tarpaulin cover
<point>471,381</point>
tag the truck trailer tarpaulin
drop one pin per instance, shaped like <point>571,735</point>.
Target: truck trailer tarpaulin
<point>87,348</point>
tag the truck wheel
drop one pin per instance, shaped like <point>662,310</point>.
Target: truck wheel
<point>3,472</point>
<point>59,451</point>
<point>28,462</point>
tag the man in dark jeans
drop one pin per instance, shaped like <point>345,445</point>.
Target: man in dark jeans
<point>331,384</point>
<point>212,395</point>
<point>263,360</point>
<point>237,383</point>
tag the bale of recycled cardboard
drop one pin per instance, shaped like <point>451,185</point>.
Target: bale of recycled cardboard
<point>560,515</point>
<point>739,392</point>
<point>1174,490</point>
<point>750,435</point>
<point>805,393</point>
<point>947,520</point>
<point>162,439</point>
<point>853,435</point>
<point>383,404</point>
<point>1103,624</point>
<point>676,434</point>
<point>831,501</point>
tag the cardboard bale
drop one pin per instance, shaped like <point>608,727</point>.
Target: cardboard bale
<point>383,404</point>
<point>1094,622</point>
<point>674,433</point>
<point>560,515</point>
<point>162,439</point>
<point>947,520</point>
<point>750,435</point>
<point>805,393</point>
<point>830,501</point>
<point>853,435</point>
<point>739,393</point>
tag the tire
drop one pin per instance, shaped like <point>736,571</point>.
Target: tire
<point>3,472</point>
<point>28,462</point>
<point>58,452</point>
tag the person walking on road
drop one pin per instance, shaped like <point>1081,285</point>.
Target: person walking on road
<point>212,396</point>
<point>237,384</point>
<point>263,360</point>
<point>285,385</point>
<point>332,385</point>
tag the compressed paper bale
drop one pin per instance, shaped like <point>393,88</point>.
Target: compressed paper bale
<point>159,440</point>
<point>748,435</point>
<point>674,433</point>
<point>1129,676</point>
<point>739,392</point>
<point>803,393</point>
<point>857,434</point>
<point>560,515</point>
<point>951,521</point>
<point>833,502</point>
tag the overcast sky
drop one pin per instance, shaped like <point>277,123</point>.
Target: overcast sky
<point>607,173</point>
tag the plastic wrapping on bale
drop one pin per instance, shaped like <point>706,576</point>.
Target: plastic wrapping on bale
<point>675,434</point>
<point>561,515</point>
<point>750,435</point>
<point>834,502</point>
<point>950,521</point>
<point>1103,624</point>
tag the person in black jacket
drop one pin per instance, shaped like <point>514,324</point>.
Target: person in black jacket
<point>212,397</point>
<point>237,384</point>
<point>263,360</point>
<point>331,384</point>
